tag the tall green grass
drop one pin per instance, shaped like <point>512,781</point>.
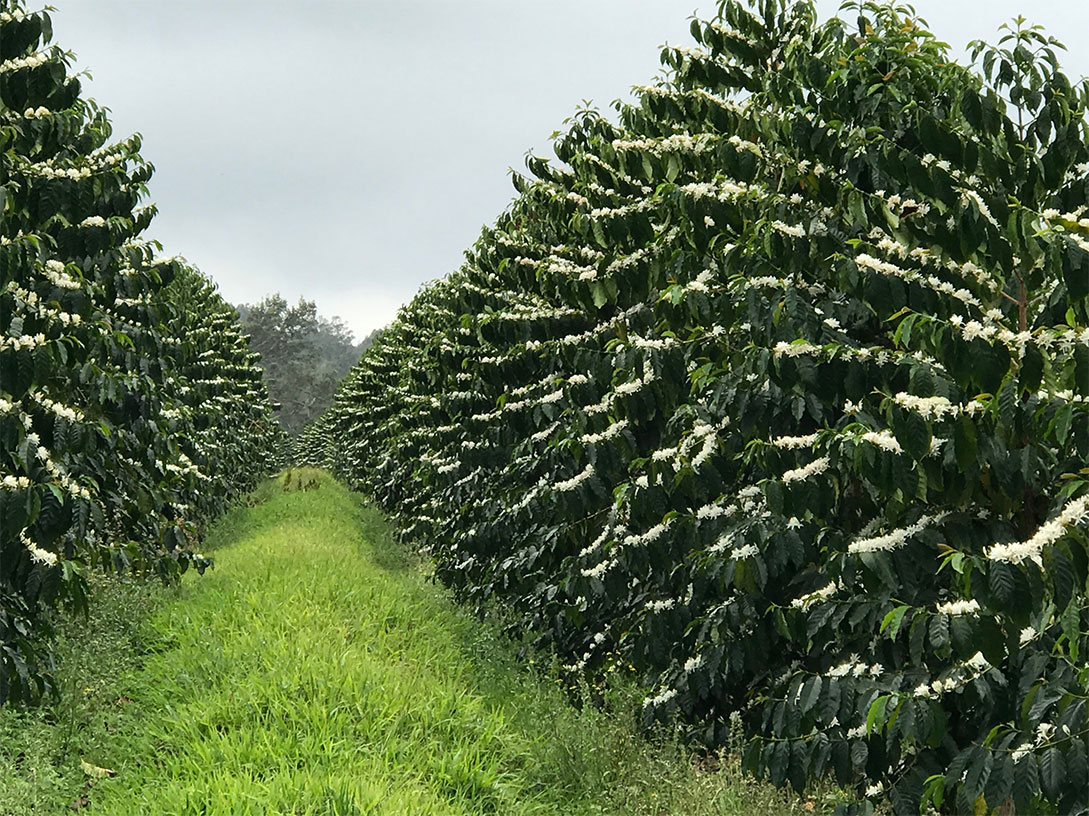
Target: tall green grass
<point>316,670</point>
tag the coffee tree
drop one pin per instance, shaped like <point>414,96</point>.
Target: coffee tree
<point>776,390</point>
<point>130,408</point>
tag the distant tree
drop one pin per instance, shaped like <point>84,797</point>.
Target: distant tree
<point>304,355</point>
<point>369,340</point>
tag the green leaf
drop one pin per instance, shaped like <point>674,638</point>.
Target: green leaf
<point>777,759</point>
<point>598,230</point>
<point>1052,773</point>
<point>1002,583</point>
<point>1070,620</point>
<point>958,765</point>
<point>830,702</point>
<point>964,630</point>
<point>1081,369</point>
<point>912,432</point>
<point>991,363</point>
<point>1032,367</point>
<point>1061,572</point>
<point>934,791</point>
<point>979,769</point>
<point>990,640</point>
<point>940,640</point>
<point>1007,404</point>
<point>939,725</point>
<point>599,293</point>
<point>673,167</point>
<point>1000,782</point>
<point>875,717</point>
<point>856,208</point>
<point>890,625</point>
<point>964,444</point>
<point>1077,765</point>
<point>1026,781</point>
<point>810,693</point>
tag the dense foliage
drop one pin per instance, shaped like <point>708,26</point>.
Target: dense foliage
<point>304,356</point>
<point>777,391</point>
<point>131,409</point>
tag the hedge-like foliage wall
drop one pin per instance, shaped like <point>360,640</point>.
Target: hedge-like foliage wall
<point>131,410</point>
<point>776,390</point>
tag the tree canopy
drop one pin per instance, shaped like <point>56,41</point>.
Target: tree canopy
<point>304,355</point>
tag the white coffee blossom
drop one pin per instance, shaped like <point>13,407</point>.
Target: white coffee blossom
<point>927,407</point>
<point>970,607</point>
<point>894,539</point>
<point>660,699</point>
<point>794,442</point>
<point>795,349</point>
<point>814,468</point>
<point>1075,512</point>
<point>884,440</point>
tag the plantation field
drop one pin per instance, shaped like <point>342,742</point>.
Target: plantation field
<point>316,670</point>
<point>763,409</point>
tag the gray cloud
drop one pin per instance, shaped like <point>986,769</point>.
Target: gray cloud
<point>349,151</point>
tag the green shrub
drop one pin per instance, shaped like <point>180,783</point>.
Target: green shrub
<point>131,410</point>
<point>778,388</point>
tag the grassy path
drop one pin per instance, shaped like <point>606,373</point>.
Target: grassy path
<point>316,671</point>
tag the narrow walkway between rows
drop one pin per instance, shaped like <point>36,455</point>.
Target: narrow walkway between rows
<point>316,670</point>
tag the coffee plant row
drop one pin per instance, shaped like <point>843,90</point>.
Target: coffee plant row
<point>776,391</point>
<point>131,409</point>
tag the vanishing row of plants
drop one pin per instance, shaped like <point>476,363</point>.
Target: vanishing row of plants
<point>776,390</point>
<point>131,409</point>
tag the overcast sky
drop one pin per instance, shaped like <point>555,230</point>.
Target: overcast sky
<point>349,150</point>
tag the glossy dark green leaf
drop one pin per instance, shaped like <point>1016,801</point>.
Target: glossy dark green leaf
<point>912,432</point>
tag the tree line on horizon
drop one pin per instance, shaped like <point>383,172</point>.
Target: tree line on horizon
<point>304,355</point>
